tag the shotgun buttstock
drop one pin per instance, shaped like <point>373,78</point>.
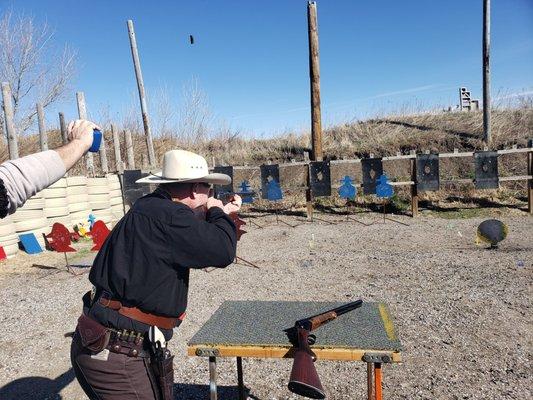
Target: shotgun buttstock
<point>304,378</point>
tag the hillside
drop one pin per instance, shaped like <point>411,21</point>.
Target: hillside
<point>440,132</point>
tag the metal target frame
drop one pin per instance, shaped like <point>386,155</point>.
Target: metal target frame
<point>320,178</point>
<point>370,181</point>
<point>133,191</point>
<point>224,189</point>
<point>267,171</point>
<point>486,170</point>
<point>427,172</point>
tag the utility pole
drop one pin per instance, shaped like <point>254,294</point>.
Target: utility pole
<point>142,94</point>
<point>314,76</point>
<point>316,123</point>
<point>487,137</point>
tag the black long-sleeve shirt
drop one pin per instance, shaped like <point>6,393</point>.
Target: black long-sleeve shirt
<point>146,258</point>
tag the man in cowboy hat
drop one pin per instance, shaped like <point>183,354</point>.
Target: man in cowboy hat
<point>141,279</point>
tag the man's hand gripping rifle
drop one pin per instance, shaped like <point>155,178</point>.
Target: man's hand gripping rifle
<point>304,378</point>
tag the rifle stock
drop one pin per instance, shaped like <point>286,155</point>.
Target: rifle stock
<point>304,378</point>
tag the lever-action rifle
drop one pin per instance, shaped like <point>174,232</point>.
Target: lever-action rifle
<point>304,378</point>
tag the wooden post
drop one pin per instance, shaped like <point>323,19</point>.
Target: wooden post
<point>129,149</point>
<point>142,95</point>
<point>63,128</point>
<point>309,196</point>
<point>308,193</point>
<point>116,146</point>
<point>314,76</point>
<point>530,182</point>
<point>103,156</point>
<point>42,129</point>
<point>486,72</point>
<point>82,113</point>
<point>144,161</point>
<point>414,190</point>
<point>12,143</point>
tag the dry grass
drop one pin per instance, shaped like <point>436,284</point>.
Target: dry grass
<point>436,132</point>
<point>385,136</point>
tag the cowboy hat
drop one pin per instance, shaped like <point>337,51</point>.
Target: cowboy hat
<point>185,166</point>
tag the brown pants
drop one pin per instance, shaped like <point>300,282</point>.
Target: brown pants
<point>118,377</point>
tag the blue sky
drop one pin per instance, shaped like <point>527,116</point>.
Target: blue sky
<point>251,57</point>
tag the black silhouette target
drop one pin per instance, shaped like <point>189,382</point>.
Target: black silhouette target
<point>320,178</point>
<point>372,170</point>
<point>268,173</point>
<point>221,190</point>
<point>133,191</point>
<point>427,172</point>
<point>486,168</point>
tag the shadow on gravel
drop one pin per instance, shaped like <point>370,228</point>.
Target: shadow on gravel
<point>481,203</point>
<point>391,208</point>
<point>73,270</point>
<point>37,387</point>
<point>271,212</point>
<point>200,392</point>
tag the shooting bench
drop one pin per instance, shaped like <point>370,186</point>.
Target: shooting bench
<point>257,329</point>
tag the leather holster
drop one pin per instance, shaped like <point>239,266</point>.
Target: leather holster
<point>93,336</point>
<point>163,370</point>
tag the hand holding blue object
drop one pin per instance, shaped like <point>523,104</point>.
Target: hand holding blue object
<point>97,140</point>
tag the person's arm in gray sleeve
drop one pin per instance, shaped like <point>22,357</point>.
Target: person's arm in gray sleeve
<point>28,175</point>
<point>24,177</point>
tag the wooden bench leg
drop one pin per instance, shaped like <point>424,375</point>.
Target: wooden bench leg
<point>240,379</point>
<point>213,378</point>
<point>369,380</point>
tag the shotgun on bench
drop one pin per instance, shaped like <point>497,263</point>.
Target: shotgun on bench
<point>304,378</point>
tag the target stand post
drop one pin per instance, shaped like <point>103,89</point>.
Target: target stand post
<point>385,191</point>
<point>242,261</point>
<point>386,218</point>
<point>349,216</point>
<point>69,267</point>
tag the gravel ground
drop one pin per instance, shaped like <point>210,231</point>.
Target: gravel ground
<point>463,314</point>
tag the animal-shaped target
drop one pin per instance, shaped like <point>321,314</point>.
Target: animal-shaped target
<point>60,238</point>
<point>99,233</point>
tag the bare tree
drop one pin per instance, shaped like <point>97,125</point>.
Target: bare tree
<point>130,115</point>
<point>195,118</point>
<point>36,70</point>
<point>163,120</point>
